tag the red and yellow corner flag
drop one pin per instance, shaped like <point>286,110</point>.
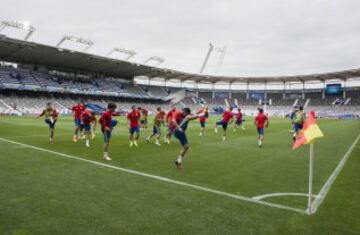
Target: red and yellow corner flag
<point>309,132</point>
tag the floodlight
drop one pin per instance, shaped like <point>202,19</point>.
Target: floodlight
<point>130,53</point>
<point>26,26</point>
<point>212,48</point>
<point>159,60</point>
<point>76,39</point>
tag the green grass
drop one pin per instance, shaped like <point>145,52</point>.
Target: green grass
<point>43,193</point>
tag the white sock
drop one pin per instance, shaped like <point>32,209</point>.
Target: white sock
<point>179,159</point>
<point>87,141</point>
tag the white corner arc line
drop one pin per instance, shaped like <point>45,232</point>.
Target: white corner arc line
<point>263,196</point>
<point>326,187</point>
<point>160,178</point>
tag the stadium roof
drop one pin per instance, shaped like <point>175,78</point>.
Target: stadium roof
<point>19,51</point>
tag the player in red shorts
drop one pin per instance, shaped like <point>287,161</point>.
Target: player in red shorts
<point>77,111</point>
<point>261,122</point>
<point>227,119</point>
<point>107,124</point>
<point>133,118</point>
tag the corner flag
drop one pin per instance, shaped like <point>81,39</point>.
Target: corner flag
<point>309,132</point>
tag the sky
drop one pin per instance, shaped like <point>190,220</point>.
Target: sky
<point>263,37</point>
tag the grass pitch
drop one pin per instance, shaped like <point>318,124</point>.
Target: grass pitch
<point>43,192</point>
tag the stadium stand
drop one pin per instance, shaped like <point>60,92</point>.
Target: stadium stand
<point>26,84</point>
<point>154,91</point>
<point>26,92</point>
<point>23,79</point>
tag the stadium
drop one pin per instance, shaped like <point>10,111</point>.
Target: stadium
<point>236,175</point>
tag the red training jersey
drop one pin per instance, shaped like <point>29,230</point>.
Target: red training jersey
<point>158,118</point>
<point>170,114</point>
<point>239,116</point>
<point>77,110</point>
<point>202,118</point>
<point>227,116</point>
<point>169,118</point>
<point>87,117</point>
<point>105,120</point>
<point>162,115</point>
<point>134,117</point>
<point>260,120</point>
<point>178,117</point>
<point>55,113</point>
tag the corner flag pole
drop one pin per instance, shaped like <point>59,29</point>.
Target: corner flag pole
<point>311,174</point>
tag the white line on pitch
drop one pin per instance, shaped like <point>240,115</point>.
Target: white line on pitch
<point>326,187</point>
<point>19,147</point>
<point>24,136</point>
<point>263,196</point>
<point>193,186</point>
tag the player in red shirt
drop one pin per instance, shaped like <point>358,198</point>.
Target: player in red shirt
<point>157,126</point>
<point>77,112</point>
<point>107,124</point>
<point>227,119</point>
<point>133,118</point>
<point>171,127</point>
<point>202,121</point>
<point>88,118</point>
<point>239,120</point>
<point>51,116</point>
<point>261,122</point>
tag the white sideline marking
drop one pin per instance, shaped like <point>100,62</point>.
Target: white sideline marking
<point>326,187</point>
<point>260,197</point>
<point>19,147</point>
<point>24,136</point>
<point>193,186</point>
